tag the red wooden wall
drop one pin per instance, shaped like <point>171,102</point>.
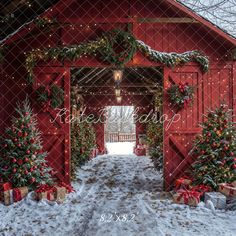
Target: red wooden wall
<point>90,20</point>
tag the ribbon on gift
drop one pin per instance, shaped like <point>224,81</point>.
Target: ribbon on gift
<point>183,181</point>
<point>187,194</point>
<point>17,195</point>
<point>230,187</point>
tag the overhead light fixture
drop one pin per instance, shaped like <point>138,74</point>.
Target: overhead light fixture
<point>118,99</point>
<point>117,74</point>
<point>117,92</point>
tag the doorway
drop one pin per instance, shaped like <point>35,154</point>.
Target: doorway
<point>120,133</point>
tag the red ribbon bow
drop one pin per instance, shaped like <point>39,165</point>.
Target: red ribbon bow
<point>187,194</point>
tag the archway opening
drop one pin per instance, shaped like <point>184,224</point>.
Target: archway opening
<point>97,91</point>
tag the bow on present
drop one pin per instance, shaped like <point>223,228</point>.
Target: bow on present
<point>187,194</point>
<point>184,181</point>
<point>5,186</point>
<point>44,188</point>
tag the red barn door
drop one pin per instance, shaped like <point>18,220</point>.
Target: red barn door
<point>55,129</point>
<point>179,135</point>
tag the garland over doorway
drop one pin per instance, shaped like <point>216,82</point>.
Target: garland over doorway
<point>104,47</point>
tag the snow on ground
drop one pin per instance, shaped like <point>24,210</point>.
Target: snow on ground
<point>109,187</point>
<point>120,148</point>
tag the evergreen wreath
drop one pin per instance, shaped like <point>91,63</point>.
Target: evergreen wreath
<point>119,47</point>
<point>50,96</point>
<point>181,94</point>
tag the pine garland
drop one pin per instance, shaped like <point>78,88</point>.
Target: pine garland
<point>173,59</point>
<point>105,48</point>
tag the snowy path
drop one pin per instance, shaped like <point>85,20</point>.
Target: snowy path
<point>109,187</point>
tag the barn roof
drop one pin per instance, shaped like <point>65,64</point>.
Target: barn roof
<point>53,7</point>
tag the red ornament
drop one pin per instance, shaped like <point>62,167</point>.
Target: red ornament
<point>26,159</point>
<point>25,134</point>
<point>28,151</point>
<point>20,162</point>
<point>14,160</point>
<point>235,159</point>
<point>26,172</point>
<point>209,134</point>
<point>231,154</point>
<point>32,180</point>
<point>31,169</point>
<point>19,133</point>
<point>19,145</point>
<point>234,166</point>
<point>202,152</point>
<point>27,113</point>
<point>226,148</point>
<point>14,170</point>
<point>22,127</point>
<point>15,139</point>
<point>32,140</point>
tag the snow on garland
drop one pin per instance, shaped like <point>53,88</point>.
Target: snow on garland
<point>173,59</point>
<point>105,48</point>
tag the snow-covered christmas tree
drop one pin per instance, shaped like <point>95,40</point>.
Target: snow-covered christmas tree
<point>216,149</point>
<point>23,161</point>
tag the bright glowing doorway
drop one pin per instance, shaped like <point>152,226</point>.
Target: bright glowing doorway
<point>120,134</point>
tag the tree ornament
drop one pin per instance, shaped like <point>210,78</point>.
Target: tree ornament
<point>20,134</point>
<point>28,151</point>
<point>20,162</point>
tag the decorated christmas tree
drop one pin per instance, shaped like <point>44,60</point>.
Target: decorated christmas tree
<point>83,140</point>
<point>23,161</point>
<point>216,149</point>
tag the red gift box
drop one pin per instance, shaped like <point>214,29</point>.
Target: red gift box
<point>188,197</point>
<point>140,151</point>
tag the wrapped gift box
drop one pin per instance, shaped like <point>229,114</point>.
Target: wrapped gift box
<point>188,197</point>
<point>140,150</point>
<point>14,195</point>
<point>218,199</point>
<point>229,190</point>
<point>51,193</point>
<point>60,194</point>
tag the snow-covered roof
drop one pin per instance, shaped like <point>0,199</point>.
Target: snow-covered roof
<point>221,13</point>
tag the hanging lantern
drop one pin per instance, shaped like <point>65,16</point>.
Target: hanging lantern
<point>117,75</point>
<point>118,99</point>
<point>117,92</point>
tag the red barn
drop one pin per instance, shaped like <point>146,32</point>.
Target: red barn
<point>59,39</point>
